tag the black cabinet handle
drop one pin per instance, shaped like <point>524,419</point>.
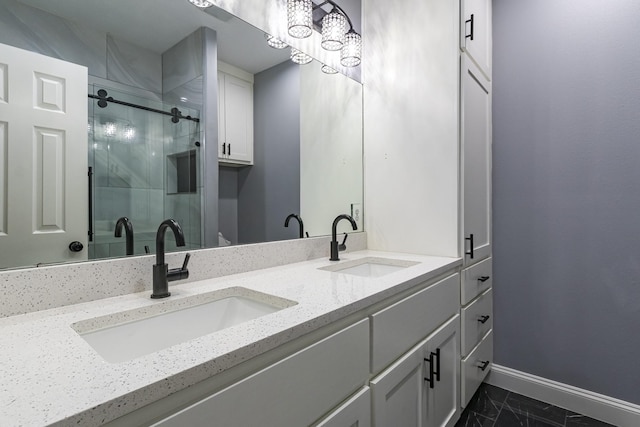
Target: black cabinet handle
<point>469,21</point>
<point>224,148</point>
<point>437,370</point>
<point>229,148</point>
<point>483,319</point>
<point>483,278</point>
<point>470,252</point>
<point>483,365</point>
<point>431,372</point>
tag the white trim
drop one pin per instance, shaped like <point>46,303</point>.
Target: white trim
<point>594,405</point>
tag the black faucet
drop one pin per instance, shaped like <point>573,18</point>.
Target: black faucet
<point>161,273</point>
<point>128,229</point>
<point>335,248</point>
<point>301,225</point>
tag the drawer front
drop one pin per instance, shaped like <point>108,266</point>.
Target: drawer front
<point>397,328</point>
<point>477,320</point>
<point>475,280</point>
<point>354,412</point>
<point>472,372</point>
<point>294,392</point>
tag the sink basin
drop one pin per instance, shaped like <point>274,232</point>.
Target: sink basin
<point>127,335</point>
<point>370,267</point>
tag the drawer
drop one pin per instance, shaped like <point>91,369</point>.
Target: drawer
<point>477,320</point>
<point>475,280</point>
<point>294,392</point>
<point>400,326</point>
<point>472,368</point>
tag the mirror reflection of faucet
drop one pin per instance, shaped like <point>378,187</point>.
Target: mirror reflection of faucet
<point>301,233</point>
<point>161,273</point>
<point>124,222</point>
<point>335,247</point>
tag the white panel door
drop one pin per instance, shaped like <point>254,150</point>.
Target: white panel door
<point>398,396</point>
<point>43,158</point>
<point>475,37</point>
<point>443,399</point>
<point>236,119</point>
<point>476,162</point>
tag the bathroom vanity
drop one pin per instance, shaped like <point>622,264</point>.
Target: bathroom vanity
<point>339,346</point>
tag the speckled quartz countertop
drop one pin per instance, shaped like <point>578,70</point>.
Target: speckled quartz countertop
<point>51,375</point>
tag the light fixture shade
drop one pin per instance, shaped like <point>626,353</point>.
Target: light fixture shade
<point>274,42</point>
<point>300,57</point>
<point>334,28</point>
<point>351,53</point>
<point>328,70</point>
<point>300,18</point>
<point>201,3</point>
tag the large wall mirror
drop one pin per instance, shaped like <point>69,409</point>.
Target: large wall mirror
<point>169,86</point>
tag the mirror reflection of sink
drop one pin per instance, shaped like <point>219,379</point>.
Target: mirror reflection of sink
<point>124,336</point>
<point>370,267</point>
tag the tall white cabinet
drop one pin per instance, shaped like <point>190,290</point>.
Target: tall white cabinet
<point>235,119</point>
<point>476,303</point>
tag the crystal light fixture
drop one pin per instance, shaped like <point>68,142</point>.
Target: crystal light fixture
<point>351,53</point>
<point>328,70</point>
<point>300,57</point>
<point>300,18</point>
<point>274,42</point>
<point>201,3</point>
<point>334,28</point>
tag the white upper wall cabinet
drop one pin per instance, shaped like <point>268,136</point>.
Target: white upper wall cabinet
<point>475,37</point>
<point>476,162</point>
<point>235,120</point>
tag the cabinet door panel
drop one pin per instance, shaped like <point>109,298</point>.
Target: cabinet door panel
<point>355,412</point>
<point>477,320</point>
<point>478,47</point>
<point>398,392</point>
<point>472,368</point>
<point>443,400</point>
<point>476,162</point>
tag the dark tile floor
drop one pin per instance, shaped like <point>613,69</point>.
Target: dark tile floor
<point>494,407</point>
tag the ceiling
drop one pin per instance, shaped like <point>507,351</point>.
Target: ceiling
<point>157,25</point>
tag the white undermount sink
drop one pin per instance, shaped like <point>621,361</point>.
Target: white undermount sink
<point>124,336</point>
<point>370,266</point>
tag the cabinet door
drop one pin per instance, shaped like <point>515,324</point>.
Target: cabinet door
<point>476,162</point>
<point>235,134</point>
<point>443,393</point>
<point>475,37</point>
<point>398,392</point>
<point>355,412</point>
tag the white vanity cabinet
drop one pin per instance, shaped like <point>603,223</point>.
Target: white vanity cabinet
<point>421,388</point>
<point>475,32</point>
<point>235,120</point>
<point>355,412</point>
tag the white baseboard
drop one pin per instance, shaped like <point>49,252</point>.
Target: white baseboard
<point>594,405</point>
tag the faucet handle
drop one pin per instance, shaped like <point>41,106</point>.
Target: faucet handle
<point>186,261</point>
<point>342,245</point>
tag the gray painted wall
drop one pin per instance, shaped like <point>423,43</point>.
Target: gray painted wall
<point>228,203</point>
<point>269,190</point>
<point>566,128</point>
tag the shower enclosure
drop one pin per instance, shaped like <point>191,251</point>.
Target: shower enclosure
<point>144,164</point>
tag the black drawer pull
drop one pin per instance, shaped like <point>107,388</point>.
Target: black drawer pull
<point>483,319</point>
<point>483,365</point>
<point>483,278</point>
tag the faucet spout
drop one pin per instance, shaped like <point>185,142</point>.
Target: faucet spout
<point>124,222</point>
<point>161,273</point>
<point>335,247</point>
<point>300,223</point>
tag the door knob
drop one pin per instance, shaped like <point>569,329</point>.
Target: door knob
<point>76,246</point>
